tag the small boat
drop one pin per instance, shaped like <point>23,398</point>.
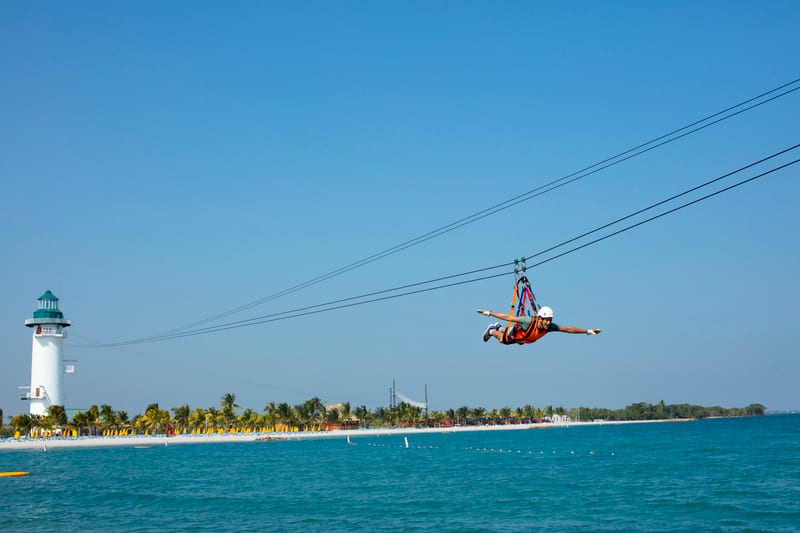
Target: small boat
<point>13,474</point>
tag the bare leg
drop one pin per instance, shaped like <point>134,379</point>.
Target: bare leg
<point>498,334</point>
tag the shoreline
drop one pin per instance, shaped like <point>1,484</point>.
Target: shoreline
<point>134,441</point>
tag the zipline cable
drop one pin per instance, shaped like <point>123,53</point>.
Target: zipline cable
<point>436,280</point>
<point>665,213</point>
<point>538,191</point>
<point>348,302</point>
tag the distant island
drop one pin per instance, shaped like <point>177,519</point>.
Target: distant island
<point>314,415</point>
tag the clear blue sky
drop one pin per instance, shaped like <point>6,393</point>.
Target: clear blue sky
<point>162,163</point>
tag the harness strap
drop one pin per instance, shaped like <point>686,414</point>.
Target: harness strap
<point>523,301</point>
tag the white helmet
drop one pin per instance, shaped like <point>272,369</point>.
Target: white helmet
<point>545,312</point>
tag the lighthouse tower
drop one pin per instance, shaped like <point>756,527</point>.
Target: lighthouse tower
<point>47,359</point>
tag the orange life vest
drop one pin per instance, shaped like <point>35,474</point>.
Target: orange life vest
<point>516,335</point>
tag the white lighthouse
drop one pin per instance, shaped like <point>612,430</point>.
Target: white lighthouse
<point>47,357</point>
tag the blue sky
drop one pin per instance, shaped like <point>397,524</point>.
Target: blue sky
<point>165,163</point>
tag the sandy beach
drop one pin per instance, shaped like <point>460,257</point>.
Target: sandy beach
<point>162,440</point>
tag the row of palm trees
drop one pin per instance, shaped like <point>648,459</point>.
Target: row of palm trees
<point>229,417</point>
<point>56,421</point>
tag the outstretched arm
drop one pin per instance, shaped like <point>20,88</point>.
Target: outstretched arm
<point>501,316</point>
<point>572,329</point>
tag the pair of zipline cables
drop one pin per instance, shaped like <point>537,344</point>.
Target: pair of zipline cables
<point>383,295</point>
<point>533,193</point>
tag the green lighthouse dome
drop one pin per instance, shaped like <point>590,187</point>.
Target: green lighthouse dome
<point>48,307</point>
<point>47,312</point>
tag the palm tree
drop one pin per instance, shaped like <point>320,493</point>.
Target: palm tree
<point>395,415</point>
<point>107,416</point>
<point>58,418</point>
<point>479,413</point>
<point>317,410</point>
<point>122,419</point>
<point>248,419</point>
<point>270,416</point>
<point>228,411</point>
<point>139,424</point>
<point>303,415</point>
<point>212,418</point>
<point>286,414</point>
<point>22,423</point>
<point>181,417</point>
<point>93,414</point>
<point>197,419</point>
<point>57,414</point>
<point>153,420</point>
<point>382,415</point>
<point>439,418</point>
<point>362,413</point>
<point>527,412</point>
<point>410,414</point>
<point>80,421</point>
<point>462,413</point>
<point>43,424</point>
<point>38,424</point>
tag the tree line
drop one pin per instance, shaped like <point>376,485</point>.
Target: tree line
<point>661,411</point>
<point>314,415</point>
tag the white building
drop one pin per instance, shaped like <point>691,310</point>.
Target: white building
<point>47,356</point>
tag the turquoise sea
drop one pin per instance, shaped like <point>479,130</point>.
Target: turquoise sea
<point>708,475</point>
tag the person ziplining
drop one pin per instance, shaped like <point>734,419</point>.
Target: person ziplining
<point>527,322</point>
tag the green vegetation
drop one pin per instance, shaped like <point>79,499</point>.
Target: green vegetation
<point>659,411</point>
<point>313,415</point>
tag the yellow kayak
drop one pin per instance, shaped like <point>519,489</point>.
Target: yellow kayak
<point>13,474</point>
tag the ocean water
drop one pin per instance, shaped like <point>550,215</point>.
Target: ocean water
<point>709,475</point>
